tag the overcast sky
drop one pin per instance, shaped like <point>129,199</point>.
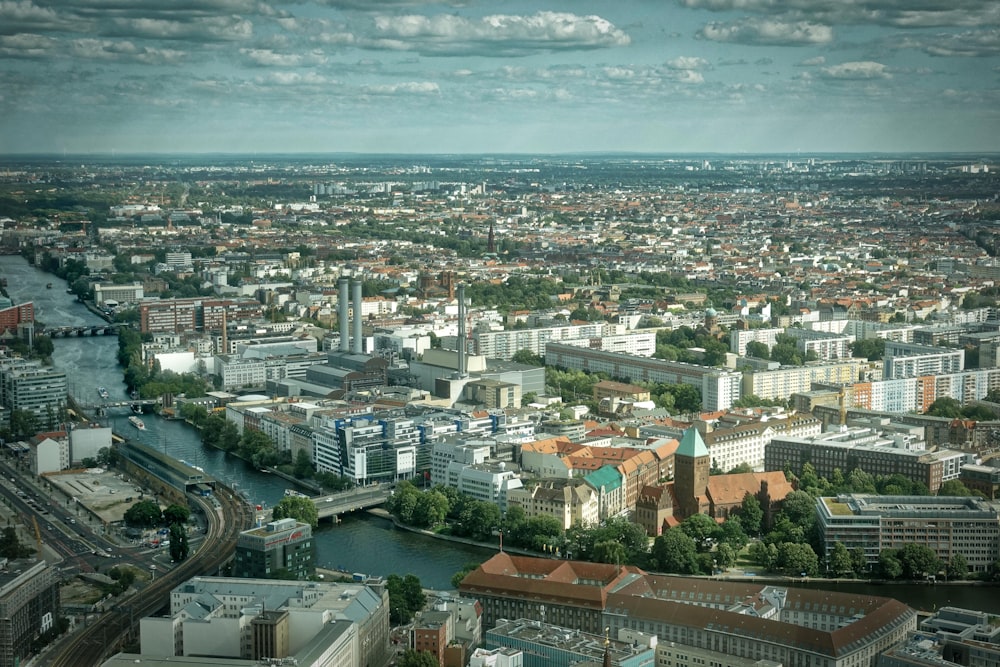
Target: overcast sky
<point>396,76</point>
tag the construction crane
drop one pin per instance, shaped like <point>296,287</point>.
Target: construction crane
<point>38,535</point>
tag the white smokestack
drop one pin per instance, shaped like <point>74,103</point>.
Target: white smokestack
<point>342,311</point>
<point>461,330</point>
<point>356,346</point>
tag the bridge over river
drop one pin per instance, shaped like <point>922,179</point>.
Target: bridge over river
<point>82,330</point>
<point>332,505</point>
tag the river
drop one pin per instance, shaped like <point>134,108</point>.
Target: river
<point>361,542</point>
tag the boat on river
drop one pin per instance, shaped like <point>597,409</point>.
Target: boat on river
<point>292,493</point>
<point>103,392</point>
<point>138,423</point>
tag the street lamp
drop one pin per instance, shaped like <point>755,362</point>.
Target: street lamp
<point>152,569</point>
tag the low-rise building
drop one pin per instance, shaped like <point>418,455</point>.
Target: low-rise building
<point>870,450</point>
<point>947,525</point>
<point>303,623</point>
<point>570,502</point>
<point>726,623</point>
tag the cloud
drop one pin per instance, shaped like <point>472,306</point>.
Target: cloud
<point>404,88</point>
<point>897,13</point>
<point>495,35</point>
<point>688,76</point>
<point>123,51</point>
<point>688,63</point>
<point>270,58</point>
<point>768,32</point>
<point>210,28</point>
<point>27,46</point>
<point>969,44</point>
<point>812,62</point>
<point>857,71</point>
<point>25,16</point>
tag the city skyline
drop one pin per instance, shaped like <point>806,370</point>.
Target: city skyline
<point>400,76</point>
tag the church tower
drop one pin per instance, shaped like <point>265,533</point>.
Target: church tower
<point>691,469</point>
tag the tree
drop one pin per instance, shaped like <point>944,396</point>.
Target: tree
<point>414,658</point>
<point>751,514</point>
<point>958,567</point>
<point>11,547</point>
<point>406,597</point>
<point>918,561</point>
<point>731,532</point>
<point>300,509</point>
<point>840,560</point>
<point>945,407</point>
<point>528,357</point>
<point>757,350</point>
<point>608,551</point>
<point>799,507</point>
<point>954,487</point>
<point>796,558</point>
<point>176,514</point>
<point>725,556</point>
<point>431,509</point>
<point>303,467</point>
<point>178,542</point>
<point>889,564</point>
<point>143,514</point>
<point>675,551</point>
<point>701,528</point>
<point>479,519</point>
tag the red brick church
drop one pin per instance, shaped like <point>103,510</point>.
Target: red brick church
<point>695,491</point>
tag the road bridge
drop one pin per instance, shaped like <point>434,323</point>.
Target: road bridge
<point>362,498</point>
<point>332,505</point>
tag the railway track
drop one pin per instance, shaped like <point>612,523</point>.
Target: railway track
<point>101,639</point>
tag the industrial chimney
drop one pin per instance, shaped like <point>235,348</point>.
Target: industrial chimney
<point>342,310</point>
<point>357,346</point>
<point>461,331</point>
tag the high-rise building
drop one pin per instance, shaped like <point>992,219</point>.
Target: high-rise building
<point>29,605</point>
<point>284,546</point>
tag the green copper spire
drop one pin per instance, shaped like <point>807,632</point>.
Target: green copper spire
<point>692,445</point>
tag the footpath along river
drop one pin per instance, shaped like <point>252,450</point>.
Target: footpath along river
<point>361,542</point>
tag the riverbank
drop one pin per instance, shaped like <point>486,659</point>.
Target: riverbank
<point>498,545</point>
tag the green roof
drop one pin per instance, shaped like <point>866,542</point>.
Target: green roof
<point>606,476</point>
<point>691,444</point>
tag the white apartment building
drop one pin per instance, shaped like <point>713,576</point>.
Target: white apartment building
<point>456,450</point>
<point>788,380</point>
<point>738,338</point>
<point>640,343</point>
<point>105,292</point>
<point>504,344</point>
<point>747,443</point>
<point>490,482</point>
<point>825,346</point>
<point>908,360</point>
<point>719,388</point>
<point>916,394</point>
